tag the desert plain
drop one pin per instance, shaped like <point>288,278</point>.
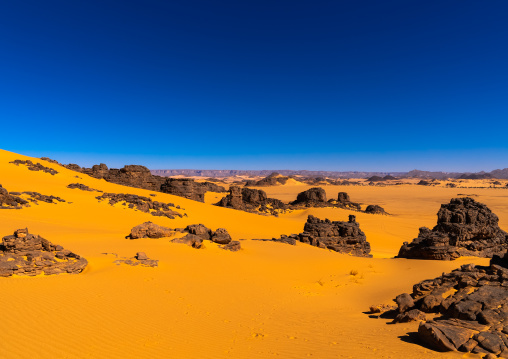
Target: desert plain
<point>266,300</point>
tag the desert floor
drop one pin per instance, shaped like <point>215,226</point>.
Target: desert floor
<point>267,300</point>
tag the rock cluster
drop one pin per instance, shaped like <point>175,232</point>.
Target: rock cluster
<point>35,166</point>
<point>342,237</point>
<point>141,177</point>
<point>27,254</point>
<point>473,304</point>
<point>273,179</point>
<point>10,201</point>
<point>141,203</point>
<point>188,188</point>
<point>197,233</point>
<point>344,201</point>
<point>82,187</point>
<point>140,259</point>
<point>464,228</point>
<point>251,200</point>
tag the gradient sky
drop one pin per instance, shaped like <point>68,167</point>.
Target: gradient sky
<point>332,85</point>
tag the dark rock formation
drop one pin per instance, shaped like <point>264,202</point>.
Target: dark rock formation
<point>375,209</point>
<point>464,228</point>
<point>10,201</point>
<point>342,237</point>
<point>273,179</point>
<point>141,203</point>
<point>35,197</point>
<point>82,187</point>
<point>35,166</point>
<point>28,254</point>
<point>251,200</point>
<point>473,303</point>
<point>312,197</point>
<point>344,201</point>
<point>188,188</point>
<point>197,233</point>
<point>150,230</point>
<point>140,259</point>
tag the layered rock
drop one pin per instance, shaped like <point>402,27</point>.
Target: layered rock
<point>27,254</point>
<point>10,201</point>
<point>473,304</point>
<point>464,228</point>
<point>342,237</point>
<point>141,203</point>
<point>188,188</point>
<point>35,197</point>
<point>35,166</point>
<point>251,200</point>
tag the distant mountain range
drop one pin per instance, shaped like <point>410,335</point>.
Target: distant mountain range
<point>500,174</point>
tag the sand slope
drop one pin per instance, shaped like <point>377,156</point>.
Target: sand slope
<point>268,300</point>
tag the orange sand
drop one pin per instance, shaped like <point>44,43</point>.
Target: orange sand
<point>268,300</point>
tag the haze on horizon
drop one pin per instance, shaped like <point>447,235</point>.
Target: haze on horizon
<point>328,85</point>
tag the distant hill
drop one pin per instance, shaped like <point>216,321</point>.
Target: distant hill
<point>264,173</point>
<point>499,173</point>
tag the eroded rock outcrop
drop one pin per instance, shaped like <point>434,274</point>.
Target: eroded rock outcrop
<point>342,237</point>
<point>473,304</point>
<point>464,228</point>
<point>188,188</point>
<point>27,254</point>
<point>10,201</point>
<point>197,233</point>
<point>251,200</point>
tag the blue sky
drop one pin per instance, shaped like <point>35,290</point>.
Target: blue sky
<point>332,85</point>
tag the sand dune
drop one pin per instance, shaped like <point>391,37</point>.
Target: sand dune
<point>267,300</point>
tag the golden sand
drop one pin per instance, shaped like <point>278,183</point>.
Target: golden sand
<point>267,300</point>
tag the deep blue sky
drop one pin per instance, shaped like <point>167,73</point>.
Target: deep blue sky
<point>335,85</point>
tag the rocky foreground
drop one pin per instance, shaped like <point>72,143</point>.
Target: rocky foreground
<point>28,254</point>
<point>464,228</point>
<point>471,304</point>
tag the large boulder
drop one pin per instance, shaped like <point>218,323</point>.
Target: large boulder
<point>24,253</point>
<point>150,230</point>
<point>464,228</point>
<point>311,197</point>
